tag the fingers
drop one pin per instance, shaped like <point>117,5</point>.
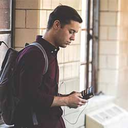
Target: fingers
<point>82,102</point>
<point>75,100</point>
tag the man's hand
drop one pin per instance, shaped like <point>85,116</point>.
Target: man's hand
<point>75,100</point>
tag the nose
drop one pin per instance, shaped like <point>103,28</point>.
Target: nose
<point>72,37</point>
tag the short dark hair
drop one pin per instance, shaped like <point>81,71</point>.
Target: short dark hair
<point>64,14</point>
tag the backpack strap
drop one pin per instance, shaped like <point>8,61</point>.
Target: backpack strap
<point>44,54</point>
<point>34,117</point>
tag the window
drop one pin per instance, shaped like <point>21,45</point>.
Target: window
<point>89,44</point>
<point>6,7</point>
<point>5,25</point>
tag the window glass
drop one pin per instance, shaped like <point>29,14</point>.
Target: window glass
<point>6,38</point>
<point>5,26</point>
<point>5,15</point>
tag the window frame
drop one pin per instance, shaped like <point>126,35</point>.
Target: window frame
<point>11,29</point>
<point>91,30</point>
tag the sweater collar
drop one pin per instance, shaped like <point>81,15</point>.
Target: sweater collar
<point>48,46</point>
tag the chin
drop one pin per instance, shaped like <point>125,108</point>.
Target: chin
<point>63,46</point>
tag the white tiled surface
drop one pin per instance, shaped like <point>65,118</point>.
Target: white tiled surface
<point>103,33</point>
<point>113,5</point>
<point>27,4</point>
<point>114,49</point>
<point>108,18</point>
<point>109,47</point>
<point>104,5</point>
<point>20,19</point>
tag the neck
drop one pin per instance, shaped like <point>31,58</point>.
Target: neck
<point>48,36</point>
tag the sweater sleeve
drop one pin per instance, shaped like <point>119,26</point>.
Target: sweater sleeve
<point>31,66</point>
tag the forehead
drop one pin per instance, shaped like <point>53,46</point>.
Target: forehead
<point>74,25</point>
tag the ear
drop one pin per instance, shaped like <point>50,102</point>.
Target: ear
<point>56,24</point>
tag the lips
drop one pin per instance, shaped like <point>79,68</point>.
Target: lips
<point>68,43</point>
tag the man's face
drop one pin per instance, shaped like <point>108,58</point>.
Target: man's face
<point>66,34</point>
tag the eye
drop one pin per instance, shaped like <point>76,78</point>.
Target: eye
<point>72,32</point>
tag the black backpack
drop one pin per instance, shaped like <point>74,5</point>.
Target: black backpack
<point>8,100</point>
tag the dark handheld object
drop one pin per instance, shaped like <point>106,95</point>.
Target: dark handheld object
<point>87,94</point>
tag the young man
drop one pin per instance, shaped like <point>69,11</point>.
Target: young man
<point>38,93</point>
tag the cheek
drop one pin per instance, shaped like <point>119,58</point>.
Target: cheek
<point>67,35</point>
<point>64,35</point>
